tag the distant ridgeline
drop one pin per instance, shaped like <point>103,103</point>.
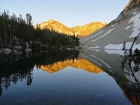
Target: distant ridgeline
<point>17,34</point>
<point>19,67</point>
<point>80,31</point>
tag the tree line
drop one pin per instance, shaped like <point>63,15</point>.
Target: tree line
<point>16,31</point>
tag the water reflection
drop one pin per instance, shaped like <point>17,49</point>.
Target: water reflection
<point>124,68</point>
<point>78,63</point>
<point>133,61</point>
<point>14,68</point>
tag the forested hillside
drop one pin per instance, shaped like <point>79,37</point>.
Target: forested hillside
<point>17,33</point>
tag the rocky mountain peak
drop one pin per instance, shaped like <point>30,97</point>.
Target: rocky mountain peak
<point>52,21</point>
<point>132,4</point>
<point>80,31</point>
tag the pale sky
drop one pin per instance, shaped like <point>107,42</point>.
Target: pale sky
<point>68,12</point>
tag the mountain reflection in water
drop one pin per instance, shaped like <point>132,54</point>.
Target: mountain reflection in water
<point>121,67</point>
<point>19,67</point>
<point>14,68</point>
<point>79,63</point>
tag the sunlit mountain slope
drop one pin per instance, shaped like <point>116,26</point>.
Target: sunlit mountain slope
<point>80,31</point>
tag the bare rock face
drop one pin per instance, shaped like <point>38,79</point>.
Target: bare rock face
<point>131,4</point>
<point>80,31</point>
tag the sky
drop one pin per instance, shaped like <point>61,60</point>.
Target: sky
<point>68,12</point>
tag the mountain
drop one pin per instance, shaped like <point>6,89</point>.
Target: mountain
<point>85,30</point>
<point>79,63</point>
<point>122,29</point>
<point>97,49</point>
<point>80,31</point>
<point>56,26</point>
<point>131,4</point>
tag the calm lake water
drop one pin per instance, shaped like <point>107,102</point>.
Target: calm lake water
<point>70,80</point>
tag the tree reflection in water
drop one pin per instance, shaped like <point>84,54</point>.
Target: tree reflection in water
<point>18,67</point>
<point>132,59</point>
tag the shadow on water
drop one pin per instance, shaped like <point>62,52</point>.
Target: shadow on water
<point>122,66</point>
<point>17,67</point>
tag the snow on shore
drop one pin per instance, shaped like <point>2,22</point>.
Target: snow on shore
<point>118,52</point>
<point>120,46</point>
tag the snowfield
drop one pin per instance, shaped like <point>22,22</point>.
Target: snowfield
<point>136,25</point>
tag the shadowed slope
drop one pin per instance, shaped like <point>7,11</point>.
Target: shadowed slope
<point>124,28</point>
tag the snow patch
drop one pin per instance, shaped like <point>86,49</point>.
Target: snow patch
<point>97,50</point>
<point>130,78</point>
<point>120,46</point>
<point>94,35</point>
<point>114,25</point>
<point>127,71</point>
<point>113,46</point>
<point>104,35</point>
<point>128,27</point>
<point>94,47</point>
<point>136,46</point>
<point>134,13</point>
<point>102,61</point>
<point>118,52</point>
<point>136,25</point>
<point>137,75</point>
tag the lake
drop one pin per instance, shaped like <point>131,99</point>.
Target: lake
<point>92,77</point>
